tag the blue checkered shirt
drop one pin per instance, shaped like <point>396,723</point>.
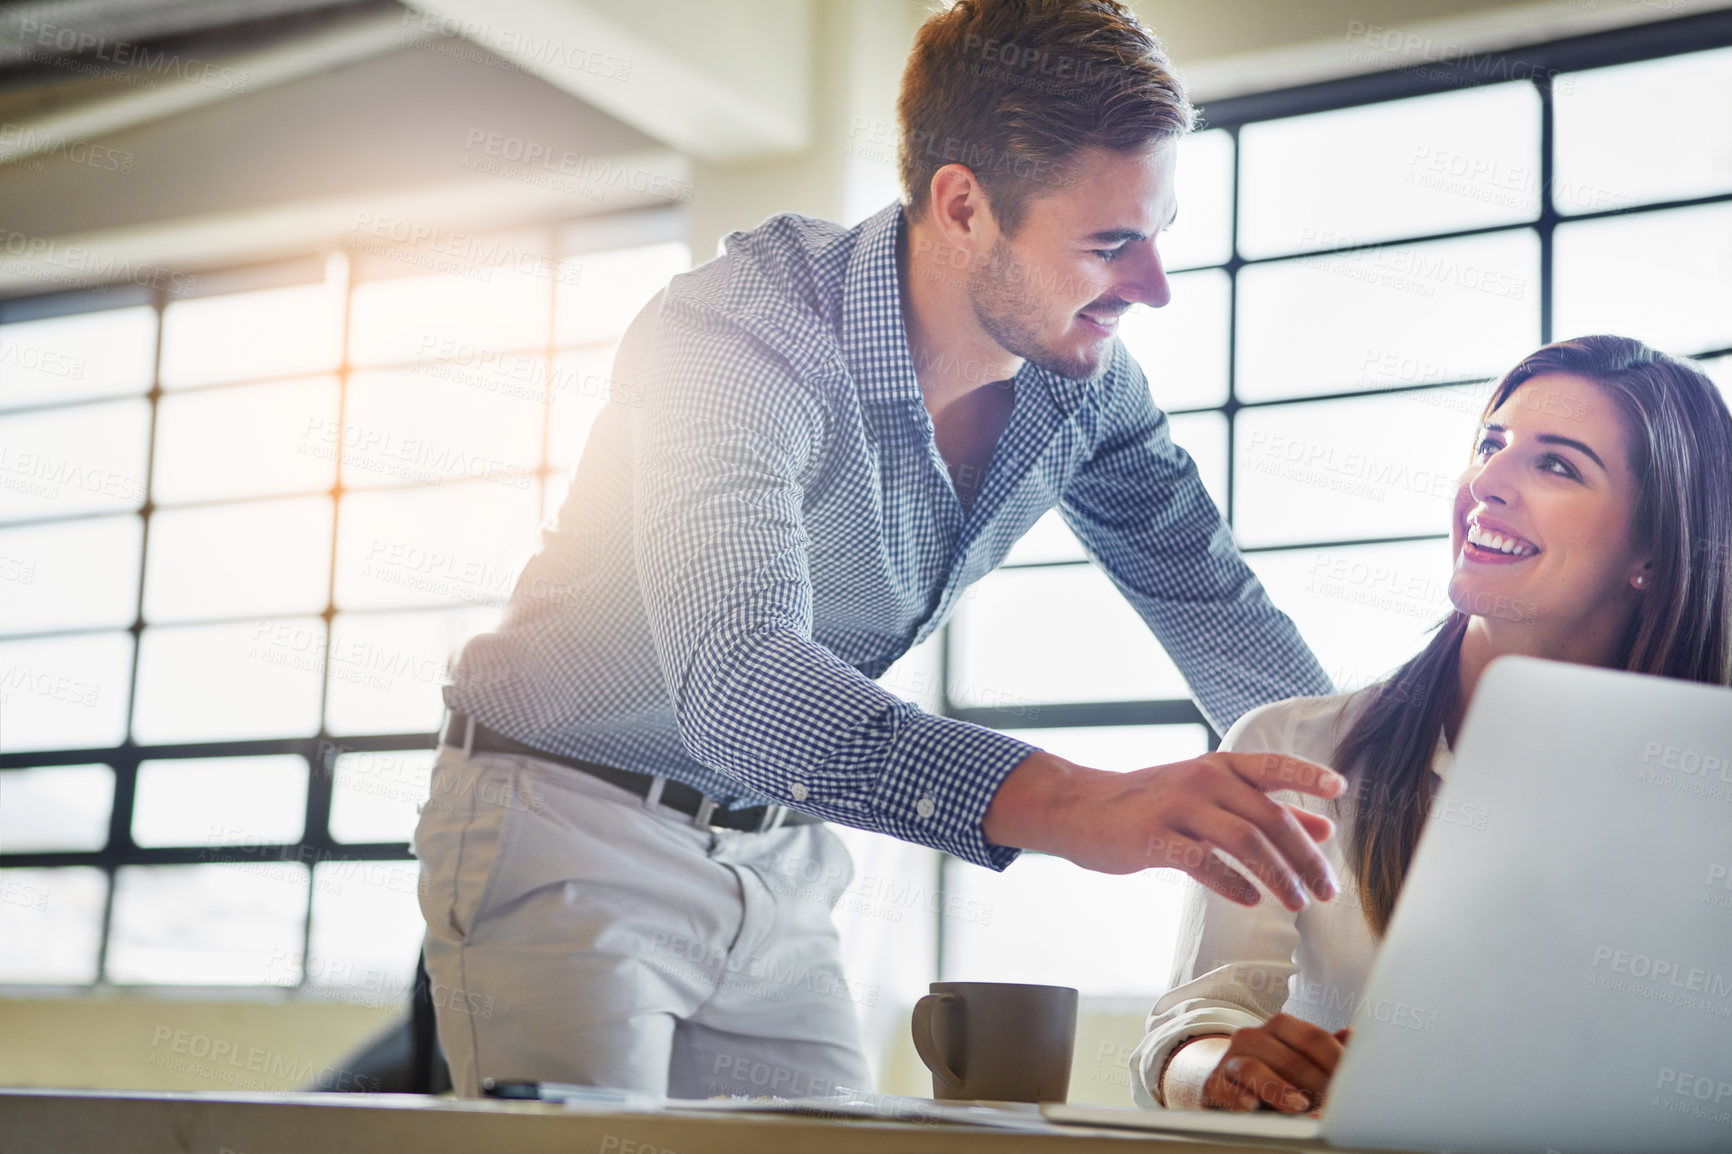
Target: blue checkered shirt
<point>761,524</point>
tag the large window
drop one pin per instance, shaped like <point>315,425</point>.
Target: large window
<point>243,535</point>
<point>1351,266</point>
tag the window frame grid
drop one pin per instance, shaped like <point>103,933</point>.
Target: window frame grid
<point>1620,46</point>
<point>640,227</point>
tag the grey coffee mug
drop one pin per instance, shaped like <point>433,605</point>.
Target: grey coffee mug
<point>997,1041</point>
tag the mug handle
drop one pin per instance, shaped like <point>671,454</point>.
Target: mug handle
<point>926,1046</point>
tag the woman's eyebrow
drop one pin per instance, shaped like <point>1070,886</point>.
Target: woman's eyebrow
<point>1554,439</point>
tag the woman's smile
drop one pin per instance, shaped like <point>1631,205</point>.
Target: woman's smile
<point>1488,542</point>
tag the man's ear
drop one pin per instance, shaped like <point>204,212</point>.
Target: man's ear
<point>957,208</point>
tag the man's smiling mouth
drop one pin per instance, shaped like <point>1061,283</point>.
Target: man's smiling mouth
<point>1106,321</point>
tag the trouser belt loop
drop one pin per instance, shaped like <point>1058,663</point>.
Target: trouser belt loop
<point>654,796</point>
<point>468,734</point>
<point>773,817</point>
<point>705,808</point>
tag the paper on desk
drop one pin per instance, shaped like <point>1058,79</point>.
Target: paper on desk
<point>885,1107</point>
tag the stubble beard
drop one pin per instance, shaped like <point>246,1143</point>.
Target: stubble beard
<point>999,290</point>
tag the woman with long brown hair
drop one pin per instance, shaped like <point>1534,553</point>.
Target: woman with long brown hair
<point>1593,524</point>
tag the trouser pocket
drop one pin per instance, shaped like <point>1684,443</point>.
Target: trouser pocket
<point>461,837</point>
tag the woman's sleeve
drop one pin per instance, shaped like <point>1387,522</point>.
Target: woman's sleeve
<point>1232,963</point>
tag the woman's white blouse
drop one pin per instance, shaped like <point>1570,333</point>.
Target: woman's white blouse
<point>1237,966</point>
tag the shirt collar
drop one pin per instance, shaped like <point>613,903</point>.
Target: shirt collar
<point>873,340</point>
<point>875,343</point>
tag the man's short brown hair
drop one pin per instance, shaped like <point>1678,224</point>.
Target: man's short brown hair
<point>1013,88</point>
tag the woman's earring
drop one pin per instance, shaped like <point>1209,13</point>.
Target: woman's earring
<point>1640,580</point>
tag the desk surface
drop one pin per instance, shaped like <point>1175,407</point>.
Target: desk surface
<point>212,1122</point>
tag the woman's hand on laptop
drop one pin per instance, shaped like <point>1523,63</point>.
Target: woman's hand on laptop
<point>1284,1064</point>
<point>1176,816</point>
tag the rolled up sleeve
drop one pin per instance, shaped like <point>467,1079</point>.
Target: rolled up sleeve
<point>1231,971</point>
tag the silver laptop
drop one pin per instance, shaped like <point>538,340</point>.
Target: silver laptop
<point>1557,976</point>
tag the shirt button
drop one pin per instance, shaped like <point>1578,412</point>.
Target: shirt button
<point>925,807</point>
<point>798,791</point>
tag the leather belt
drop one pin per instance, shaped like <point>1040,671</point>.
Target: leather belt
<point>700,807</point>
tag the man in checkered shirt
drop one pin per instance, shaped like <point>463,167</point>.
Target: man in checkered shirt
<point>820,440</point>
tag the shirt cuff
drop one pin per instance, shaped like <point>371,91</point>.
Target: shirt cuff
<point>1149,1059</point>
<point>940,780</point>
